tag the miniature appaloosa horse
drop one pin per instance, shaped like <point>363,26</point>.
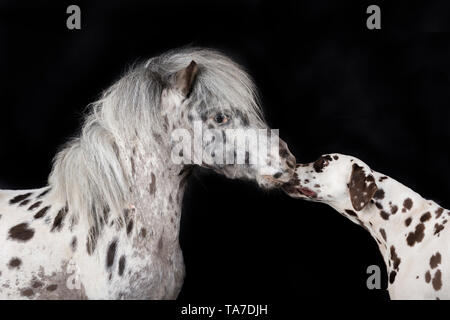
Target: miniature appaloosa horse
<point>107,225</point>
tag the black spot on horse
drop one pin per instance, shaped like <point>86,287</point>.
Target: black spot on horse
<point>35,205</point>
<point>44,193</point>
<point>58,222</point>
<point>15,263</point>
<point>122,262</point>
<point>153,184</point>
<point>24,203</point>
<point>19,198</point>
<point>111,253</point>
<point>52,287</point>
<point>91,242</point>
<point>27,292</point>
<point>73,243</point>
<point>41,212</point>
<point>129,227</point>
<point>21,232</point>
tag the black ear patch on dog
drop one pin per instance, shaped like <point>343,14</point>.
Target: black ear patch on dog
<point>362,187</point>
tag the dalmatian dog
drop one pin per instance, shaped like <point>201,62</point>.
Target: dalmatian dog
<point>410,231</point>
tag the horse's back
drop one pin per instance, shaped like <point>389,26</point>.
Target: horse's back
<point>34,253</point>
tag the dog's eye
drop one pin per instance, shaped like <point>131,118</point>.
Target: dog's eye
<point>221,118</point>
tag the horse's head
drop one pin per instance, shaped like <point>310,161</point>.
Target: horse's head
<point>210,110</point>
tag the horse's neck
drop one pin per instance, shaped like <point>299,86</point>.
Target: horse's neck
<point>157,194</point>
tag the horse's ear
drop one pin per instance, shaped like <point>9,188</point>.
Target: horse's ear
<point>362,187</point>
<point>184,79</point>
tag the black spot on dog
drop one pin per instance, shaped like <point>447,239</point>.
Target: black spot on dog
<point>408,221</point>
<point>335,157</point>
<point>395,259</point>
<point>438,228</point>
<point>111,254</point>
<point>425,217</point>
<point>58,221</point>
<point>379,194</point>
<point>52,287</point>
<point>392,277</point>
<point>416,236</point>
<point>37,284</point>
<point>407,204</point>
<point>321,163</point>
<point>15,263</point>
<point>384,215</point>
<point>394,209</point>
<point>379,205</point>
<point>41,212</point>
<point>427,277</point>
<point>122,262</point>
<point>382,178</point>
<point>383,233</point>
<point>351,213</point>
<point>21,232</point>
<point>19,198</point>
<point>35,205</point>
<point>437,280</point>
<point>439,212</point>
<point>435,260</point>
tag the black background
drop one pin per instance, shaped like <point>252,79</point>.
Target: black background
<point>327,82</point>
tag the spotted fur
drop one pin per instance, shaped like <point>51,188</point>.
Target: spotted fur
<point>107,225</point>
<point>414,240</point>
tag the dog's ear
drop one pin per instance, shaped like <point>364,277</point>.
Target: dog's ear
<point>362,187</point>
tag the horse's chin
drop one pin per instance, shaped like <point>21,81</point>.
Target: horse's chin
<point>267,182</point>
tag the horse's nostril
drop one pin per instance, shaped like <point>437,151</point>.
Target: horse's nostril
<point>277,175</point>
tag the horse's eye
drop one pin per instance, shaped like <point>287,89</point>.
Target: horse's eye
<point>221,118</point>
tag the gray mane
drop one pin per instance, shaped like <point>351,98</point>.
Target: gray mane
<point>92,172</point>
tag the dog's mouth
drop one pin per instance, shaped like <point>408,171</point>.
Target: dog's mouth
<point>294,190</point>
<point>307,192</point>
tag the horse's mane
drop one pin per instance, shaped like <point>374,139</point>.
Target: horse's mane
<point>91,173</point>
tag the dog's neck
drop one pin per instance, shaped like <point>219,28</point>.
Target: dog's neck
<point>393,208</point>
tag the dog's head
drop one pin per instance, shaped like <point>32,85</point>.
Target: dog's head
<point>339,180</point>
